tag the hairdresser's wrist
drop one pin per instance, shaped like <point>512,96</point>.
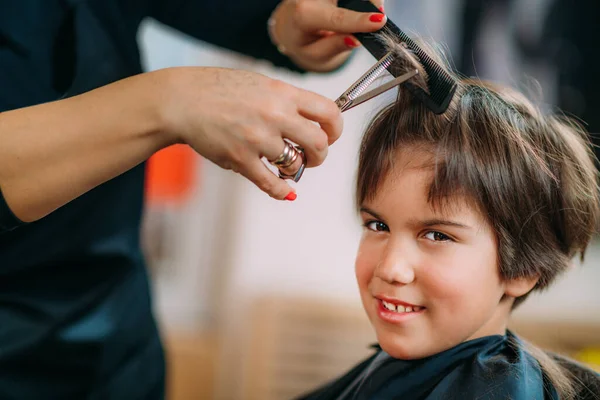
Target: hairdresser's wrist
<point>272,31</point>
<point>295,54</point>
<point>162,105</point>
<point>138,109</point>
<point>274,35</point>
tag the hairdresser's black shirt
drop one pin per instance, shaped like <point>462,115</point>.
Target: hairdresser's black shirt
<point>75,308</point>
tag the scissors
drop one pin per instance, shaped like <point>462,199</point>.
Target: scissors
<point>355,96</point>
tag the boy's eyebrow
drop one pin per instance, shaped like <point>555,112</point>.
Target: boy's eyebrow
<point>369,211</point>
<point>426,223</point>
<point>437,221</point>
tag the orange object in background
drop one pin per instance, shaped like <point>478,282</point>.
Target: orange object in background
<point>171,175</point>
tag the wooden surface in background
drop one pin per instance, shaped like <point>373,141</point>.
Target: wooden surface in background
<point>564,337</point>
<point>191,359</point>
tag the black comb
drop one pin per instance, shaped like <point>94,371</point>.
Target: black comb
<point>441,85</point>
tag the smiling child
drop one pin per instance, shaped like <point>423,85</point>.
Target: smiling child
<point>464,215</point>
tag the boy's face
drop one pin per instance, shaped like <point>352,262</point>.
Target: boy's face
<point>442,264</point>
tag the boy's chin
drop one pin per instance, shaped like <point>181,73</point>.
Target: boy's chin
<point>402,348</point>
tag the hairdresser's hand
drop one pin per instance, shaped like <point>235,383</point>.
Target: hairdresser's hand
<point>316,34</point>
<point>234,118</point>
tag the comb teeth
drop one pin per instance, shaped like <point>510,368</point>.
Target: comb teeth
<point>441,85</point>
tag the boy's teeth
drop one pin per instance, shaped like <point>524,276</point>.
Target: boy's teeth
<point>399,308</point>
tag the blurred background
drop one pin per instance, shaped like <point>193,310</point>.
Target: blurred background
<point>250,310</point>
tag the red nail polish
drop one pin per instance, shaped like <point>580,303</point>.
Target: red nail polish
<point>376,17</point>
<point>350,42</point>
<point>381,9</point>
<point>291,196</point>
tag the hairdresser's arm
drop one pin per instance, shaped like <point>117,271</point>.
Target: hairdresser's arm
<point>303,27</point>
<point>52,153</point>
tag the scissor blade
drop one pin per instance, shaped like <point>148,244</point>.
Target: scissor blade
<point>382,88</point>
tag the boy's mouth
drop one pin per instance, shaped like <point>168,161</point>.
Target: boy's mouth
<point>398,306</point>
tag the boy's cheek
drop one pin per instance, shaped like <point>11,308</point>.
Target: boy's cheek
<point>364,266</point>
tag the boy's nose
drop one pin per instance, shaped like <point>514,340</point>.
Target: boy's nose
<point>395,266</point>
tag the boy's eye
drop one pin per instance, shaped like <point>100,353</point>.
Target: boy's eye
<point>437,236</point>
<point>377,226</point>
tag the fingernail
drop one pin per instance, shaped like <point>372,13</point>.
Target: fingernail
<point>381,9</point>
<point>291,196</point>
<point>376,17</point>
<point>350,42</point>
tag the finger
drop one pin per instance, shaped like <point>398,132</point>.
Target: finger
<point>315,16</point>
<point>291,169</point>
<point>271,155</point>
<point>323,111</point>
<point>307,135</point>
<point>326,33</point>
<point>328,48</point>
<point>259,174</point>
<point>295,167</point>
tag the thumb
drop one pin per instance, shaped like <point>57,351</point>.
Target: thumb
<point>259,174</point>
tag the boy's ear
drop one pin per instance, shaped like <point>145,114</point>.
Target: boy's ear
<point>520,286</point>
